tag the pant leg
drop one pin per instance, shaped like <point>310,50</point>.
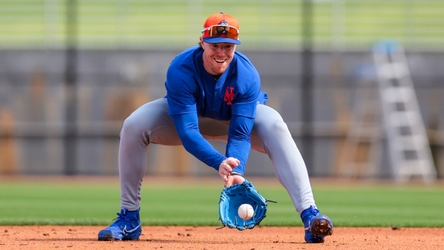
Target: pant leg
<point>150,123</point>
<point>270,135</point>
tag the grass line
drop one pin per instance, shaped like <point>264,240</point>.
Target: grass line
<point>59,203</point>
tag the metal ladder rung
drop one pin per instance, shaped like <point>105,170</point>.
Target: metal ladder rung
<point>392,70</point>
<point>416,165</point>
<point>405,118</point>
<point>412,168</point>
<point>400,69</point>
<point>415,142</point>
<point>397,94</point>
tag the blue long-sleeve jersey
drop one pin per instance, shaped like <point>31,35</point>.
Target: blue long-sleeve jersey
<point>193,92</point>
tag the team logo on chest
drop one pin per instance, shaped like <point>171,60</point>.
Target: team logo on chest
<point>229,95</point>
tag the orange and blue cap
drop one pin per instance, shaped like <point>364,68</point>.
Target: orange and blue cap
<point>221,28</point>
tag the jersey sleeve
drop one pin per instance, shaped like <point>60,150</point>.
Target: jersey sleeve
<point>193,141</point>
<point>243,113</point>
<point>239,144</point>
<point>179,95</point>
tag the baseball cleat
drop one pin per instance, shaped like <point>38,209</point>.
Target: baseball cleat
<point>316,225</point>
<point>125,227</point>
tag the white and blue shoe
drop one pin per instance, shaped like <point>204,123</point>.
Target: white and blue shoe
<point>316,225</point>
<point>125,227</point>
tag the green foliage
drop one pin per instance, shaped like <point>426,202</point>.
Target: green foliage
<point>85,203</point>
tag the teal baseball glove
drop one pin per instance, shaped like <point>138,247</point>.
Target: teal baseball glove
<point>234,196</point>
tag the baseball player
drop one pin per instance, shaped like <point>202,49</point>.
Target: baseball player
<point>213,93</point>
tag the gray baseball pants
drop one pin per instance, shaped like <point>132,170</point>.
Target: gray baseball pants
<point>151,123</point>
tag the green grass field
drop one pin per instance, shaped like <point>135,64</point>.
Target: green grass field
<point>87,202</point>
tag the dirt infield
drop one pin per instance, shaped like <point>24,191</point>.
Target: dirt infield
<point>83,237</point>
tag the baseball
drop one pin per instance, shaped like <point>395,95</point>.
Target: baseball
<point>245,211</point>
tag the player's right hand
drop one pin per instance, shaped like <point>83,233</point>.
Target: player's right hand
<point>226,167</point>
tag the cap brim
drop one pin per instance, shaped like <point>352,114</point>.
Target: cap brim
<point>221,40</point>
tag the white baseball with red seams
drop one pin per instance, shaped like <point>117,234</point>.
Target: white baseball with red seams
<point>245,211</point>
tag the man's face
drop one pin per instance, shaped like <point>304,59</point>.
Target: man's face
<point>217,56</point>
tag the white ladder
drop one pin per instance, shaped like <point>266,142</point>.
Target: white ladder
<point>408,144</point>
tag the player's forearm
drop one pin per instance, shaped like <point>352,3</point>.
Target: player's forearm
<point>239,149</point>
<point>238,144</point>
<point>202,150</point>
<point>194,143</point>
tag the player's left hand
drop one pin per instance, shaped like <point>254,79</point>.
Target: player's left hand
<point>234,179</point>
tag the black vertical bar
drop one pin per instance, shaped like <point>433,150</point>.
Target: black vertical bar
<point>307,83</point>
<point>70,140</point>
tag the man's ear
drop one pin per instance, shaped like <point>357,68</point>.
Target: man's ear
<point>201,40</point>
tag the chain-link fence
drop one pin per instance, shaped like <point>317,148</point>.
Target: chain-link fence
<point>123,48</point>
<point>271,25</point>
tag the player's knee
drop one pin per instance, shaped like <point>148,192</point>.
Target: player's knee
<point>280,127</point>
<point>277,128</point>
<point>130,124</point>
